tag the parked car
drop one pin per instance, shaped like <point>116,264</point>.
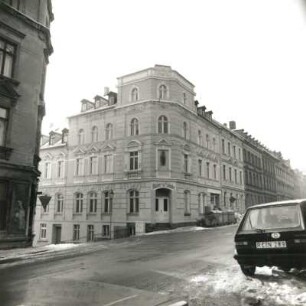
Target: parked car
<point>272,234</point>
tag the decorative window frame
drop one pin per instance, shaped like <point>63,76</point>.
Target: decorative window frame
<point>167,97</point>
<point>133,88</point>
<point>163,122</point>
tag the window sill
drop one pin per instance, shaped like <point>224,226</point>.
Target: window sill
<point>187,214</point>
<point>133,214</point>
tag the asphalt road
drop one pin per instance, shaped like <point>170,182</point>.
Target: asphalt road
<point>145,270</point>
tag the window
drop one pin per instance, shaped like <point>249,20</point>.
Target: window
<point>134,95</point>
<point>81,137</point>
<point>215,172</point>
<point>224,196</point>
<point>163,159</point>
<point>94,134</point>
<point>108,163</point>
<point>60,169</point>
<point>109,131</point>
<point>93,165</point>
<point>214,144</point>
<point>224,172</point>
<point>163,125</point>
<point>235,175</point>
<point>187,202</point>
<point>214,199</point>
<point>234,151</point>
<point>207,169</point>
<point>223,146</point>
<point>47,170</point>
<point>185,130</point>
<point>78,203</point>
<point>230,173</point>
<point>239,154</point>
<point>79,167</point>
<point>199,138</point>
<point>162,92</point>
<point>105,230</point>
<point>93,202</point>
<point>184,98</point>
<point>59,203</point>
<point>7,58</point>
<point>229,148</point>
<point>76,232</point>
<point>3,124</point>
<point>134,201</point>
<point>134,127</point>
<point>134,160</point>
<point>90,233</point>
<point>201,200</point>
<point>207,141</point>
<point>43,231</point>
<point>200,167</point>
<point>186,164</point>
<point>241,177</point>
<point>108,201</point>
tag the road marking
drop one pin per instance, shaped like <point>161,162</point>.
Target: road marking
<point>121,300</point>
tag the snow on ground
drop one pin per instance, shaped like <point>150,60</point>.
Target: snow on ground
<point>177,230</point>
<point>268,287</point>
<point>62,246</point>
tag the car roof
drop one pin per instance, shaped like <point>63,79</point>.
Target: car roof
<point>297,201</point>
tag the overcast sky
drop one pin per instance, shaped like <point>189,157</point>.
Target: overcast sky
<point>246,58</point>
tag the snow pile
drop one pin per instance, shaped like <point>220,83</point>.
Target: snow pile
<point>177,230</point>
<point>62,246</point>
<point>269,288</point>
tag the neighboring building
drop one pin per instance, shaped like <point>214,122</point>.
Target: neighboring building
<point>232,166</point>
<point>285,179</point>
<point>146,158</point>
<point>253,170</point>
<point>24,50</point>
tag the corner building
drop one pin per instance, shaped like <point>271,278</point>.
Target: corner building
<point>24,50</point>
<point>143,159</point>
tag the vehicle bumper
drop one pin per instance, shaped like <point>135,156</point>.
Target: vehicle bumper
<point>285,260</point>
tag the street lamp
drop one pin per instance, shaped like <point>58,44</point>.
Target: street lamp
<point>111,195</point>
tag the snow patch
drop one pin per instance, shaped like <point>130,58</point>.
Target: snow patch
<point>273,289</point>
<point>177,230</point>
<point>62,246</point>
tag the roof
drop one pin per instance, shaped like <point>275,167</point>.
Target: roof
<point>296,201</point>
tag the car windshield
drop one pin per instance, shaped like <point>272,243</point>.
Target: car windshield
<point>272,217</point>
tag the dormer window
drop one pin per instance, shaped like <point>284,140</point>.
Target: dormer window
<point>65,136</point>
<point>51,139</point>
<point>162,92</point>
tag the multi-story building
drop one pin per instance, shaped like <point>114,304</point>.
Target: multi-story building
<point>24,50</point>
<point>143,158</point>
<point>232,166</point>
<point>253,170</point>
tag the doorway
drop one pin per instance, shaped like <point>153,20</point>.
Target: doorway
<point>162,205</point>
<point>57,234</point>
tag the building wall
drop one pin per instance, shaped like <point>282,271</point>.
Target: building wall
<point>22,96</point>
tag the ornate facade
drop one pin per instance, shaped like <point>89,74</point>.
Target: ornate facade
<point>24,50</point>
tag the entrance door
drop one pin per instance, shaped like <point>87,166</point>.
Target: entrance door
<point>57,234</point>
<point>162,209</point>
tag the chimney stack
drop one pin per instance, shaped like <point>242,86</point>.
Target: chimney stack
<point>232,125</point>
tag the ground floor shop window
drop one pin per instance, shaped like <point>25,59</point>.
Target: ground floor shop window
<point>76,232</point>
<point>105,230</point>
<point>90,233</point>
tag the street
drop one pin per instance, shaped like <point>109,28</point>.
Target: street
<point>195,266</point>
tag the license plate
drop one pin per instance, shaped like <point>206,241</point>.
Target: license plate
<point>271,245</point>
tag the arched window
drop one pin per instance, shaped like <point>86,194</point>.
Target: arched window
<point>162,125</point>
<point>134,127</point>
<point>108,201</point>
<point>185,130</point>
<point>109,131</point>
<point>162,92</point>
<point>133,201</point>
<point>94,134</point>
<point>134,95</point>
<point>59,203</point>
<point>81,137</point>
<point>79,202</point>
<point>93,200</point>
<point>199,138</point>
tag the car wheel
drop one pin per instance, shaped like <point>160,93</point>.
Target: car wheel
<point>248,270</point>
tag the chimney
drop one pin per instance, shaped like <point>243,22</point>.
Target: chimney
<point>106,91</point>
<point>232,125</point>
